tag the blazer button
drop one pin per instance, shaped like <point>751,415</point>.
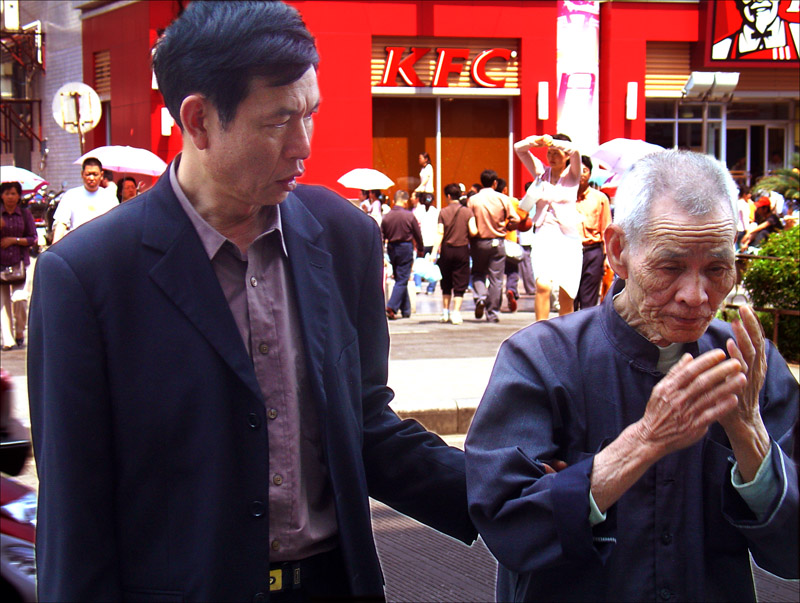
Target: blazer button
<point>277,479</point>
<point>666,538</point>
<point>272,413</point>
<point>257,508</point>
<point>253,421</point>
<point>253,281</point>
<point>263,348</point>
<point>259,597</point>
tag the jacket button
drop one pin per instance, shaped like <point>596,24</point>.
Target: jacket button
<point>277,479</point>
<point>259,597</point>
<point>253,421</point>
<point>257,508</point>
<point>666,538</point>
<point>263,348</point>
<point>276,545</point>
<point>665,594</point>
<point>272,413</point>
<point>253,281</point>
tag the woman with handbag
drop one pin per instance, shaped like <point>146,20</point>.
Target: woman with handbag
<point>17,234</point>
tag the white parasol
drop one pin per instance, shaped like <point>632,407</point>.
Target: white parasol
<point>130,160</point>
<point>366,179</point>
<point>29,181</point>
<point>619,154</point>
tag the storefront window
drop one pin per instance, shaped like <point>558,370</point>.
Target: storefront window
<point>660,109</point>
<point>758,111</point>
<point>660,133</point>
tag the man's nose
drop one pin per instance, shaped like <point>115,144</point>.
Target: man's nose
<point>692,290</point>
<point>299,144</point>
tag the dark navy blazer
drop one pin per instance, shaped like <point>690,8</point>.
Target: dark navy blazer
<point>565,388</point>
<point>149,427</point>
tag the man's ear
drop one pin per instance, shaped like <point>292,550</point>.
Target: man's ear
<point>617,250</point>
<point>195,119</point>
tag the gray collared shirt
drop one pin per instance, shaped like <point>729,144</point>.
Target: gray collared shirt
<point>261,297</point>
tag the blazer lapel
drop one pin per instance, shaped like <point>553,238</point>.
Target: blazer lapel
<point>311,269</point>
<point>185,275</point>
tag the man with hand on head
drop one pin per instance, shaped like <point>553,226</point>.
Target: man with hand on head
<point>638,450</point>
<point>208,363</point>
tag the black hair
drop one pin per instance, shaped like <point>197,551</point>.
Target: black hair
<point>120,184</point>
<point>562,137</point>
<point>426,157</point>
<point>452,191</point>
<point>527,185</point>
<point>216,48</point>
<point>488,178</point>
<point>91,161</point>
<point>108,174</point>
<point>587,161</point>
<point>9,185</point>
<point>501,184</point>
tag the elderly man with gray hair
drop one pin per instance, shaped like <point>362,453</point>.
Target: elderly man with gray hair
<point>638,450</point>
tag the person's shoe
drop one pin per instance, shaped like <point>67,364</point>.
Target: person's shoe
<point>406,315</point>
<point>480,305</point>
<point>20,342</point>
<point>512,301</point>
<point>445,316</point>
<point>390,314</point>
<point>455,317</point>
<point>492,318</point>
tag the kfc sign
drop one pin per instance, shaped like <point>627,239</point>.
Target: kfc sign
<point>400,62</point>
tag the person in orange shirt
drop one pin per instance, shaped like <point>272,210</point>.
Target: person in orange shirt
<point>594,208</point>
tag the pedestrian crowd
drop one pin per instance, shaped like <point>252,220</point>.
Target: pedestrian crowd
<point>207,365</point>
<point>20,240</point>
<point>487,241</point>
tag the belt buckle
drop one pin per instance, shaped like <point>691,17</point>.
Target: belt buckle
<point>276,578</point>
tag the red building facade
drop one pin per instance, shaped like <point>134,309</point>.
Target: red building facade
<point>376,114</point>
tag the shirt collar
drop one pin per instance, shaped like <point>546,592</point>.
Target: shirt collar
<point>639,351</point>
<point>211,239</point>
<point>17,210</point>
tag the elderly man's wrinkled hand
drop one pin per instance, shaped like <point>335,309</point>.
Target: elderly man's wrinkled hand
<point>749,350</point>
<point>743,424</point>
<point>694,394</point>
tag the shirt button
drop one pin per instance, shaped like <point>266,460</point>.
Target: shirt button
<point>666,538</point>
<point>665,594</point>
<point>257,508</point>
<point>263,348</point>
<point>277,479</point>
<point>276,545</point>
<point>253,420</point>
<point>272,413</point>
<point>253,281</point>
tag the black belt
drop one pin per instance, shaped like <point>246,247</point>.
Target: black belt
<point>292,575</point>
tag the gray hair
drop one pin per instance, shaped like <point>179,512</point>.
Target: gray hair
<point>697,183</point>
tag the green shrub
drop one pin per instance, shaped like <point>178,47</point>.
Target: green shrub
<point>776,284</point>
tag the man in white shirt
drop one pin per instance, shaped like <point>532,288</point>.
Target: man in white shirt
<point>82,203</point>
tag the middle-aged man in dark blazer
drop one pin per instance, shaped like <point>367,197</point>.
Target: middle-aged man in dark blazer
<point>208,362</point>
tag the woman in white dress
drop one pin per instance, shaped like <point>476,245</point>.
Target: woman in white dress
<point>557,252</point>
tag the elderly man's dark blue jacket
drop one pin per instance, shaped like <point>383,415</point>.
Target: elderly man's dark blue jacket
<point>563,389</point>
